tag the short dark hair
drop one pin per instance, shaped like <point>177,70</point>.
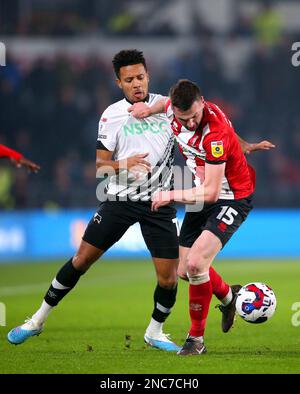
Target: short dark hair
<point>184,93</point>
<point>127,57</point>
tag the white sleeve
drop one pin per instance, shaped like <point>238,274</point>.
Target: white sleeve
<point>108,129</point>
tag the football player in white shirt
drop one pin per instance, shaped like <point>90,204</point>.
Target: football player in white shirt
<point>138,154</point>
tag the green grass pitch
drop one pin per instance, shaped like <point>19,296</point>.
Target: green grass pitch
<point>87,332</point>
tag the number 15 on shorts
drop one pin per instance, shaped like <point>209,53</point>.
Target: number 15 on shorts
<point>227,215</point>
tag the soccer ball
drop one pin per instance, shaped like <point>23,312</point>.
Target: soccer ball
<point>256,302</point>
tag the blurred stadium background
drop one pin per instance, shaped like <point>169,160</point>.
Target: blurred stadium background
<point>58,80</point>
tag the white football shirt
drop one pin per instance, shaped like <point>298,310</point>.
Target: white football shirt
<point>127,136</point>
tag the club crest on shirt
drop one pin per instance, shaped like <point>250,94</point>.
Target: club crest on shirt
<point>217,148</point>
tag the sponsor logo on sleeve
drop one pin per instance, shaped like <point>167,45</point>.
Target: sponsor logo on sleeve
<point>97,218</point>
<point>217,149</point>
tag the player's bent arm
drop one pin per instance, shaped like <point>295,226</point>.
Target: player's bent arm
<point>209,191</point>
<point>104,163</point>
<point>107,166</point>
<point>142,110</point>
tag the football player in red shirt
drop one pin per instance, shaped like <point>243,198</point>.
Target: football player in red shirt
<point>224,189</point>
<point>18,159</point>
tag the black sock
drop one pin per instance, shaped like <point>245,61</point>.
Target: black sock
<point>164,299</point>
<point>67,276</point>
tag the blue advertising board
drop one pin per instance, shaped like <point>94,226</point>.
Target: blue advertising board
<point>46,235</point>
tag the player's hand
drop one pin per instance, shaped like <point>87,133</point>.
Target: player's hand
<point>140,110</point>
<point>136,161</point>
<point>263,145</point>
<point>138,172</point>
<point>30,165</point>
<point>160,199</point>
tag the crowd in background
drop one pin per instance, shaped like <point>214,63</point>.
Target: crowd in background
<point>50,108</point>
<point>71,18</point>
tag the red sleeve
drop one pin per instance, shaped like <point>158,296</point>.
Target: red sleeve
<point>215,144</point>
<point>7,152</point>
<point>167,106</point>
<point>168,110</point>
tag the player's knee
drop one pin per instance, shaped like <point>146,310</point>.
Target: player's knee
<point>194,265</point>
<point>182,274</point>
<point>168,283</point>
<point>182,268</point>
<point>81,262</point>
<point>198,263</point>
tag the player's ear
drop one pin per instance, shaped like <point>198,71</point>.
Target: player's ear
<point>118,82</point>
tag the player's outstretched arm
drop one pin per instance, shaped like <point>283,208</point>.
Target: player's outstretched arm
<point>18,159</point>
<point>142,110</point>
<point>23,162</point>
<point>248,148</point>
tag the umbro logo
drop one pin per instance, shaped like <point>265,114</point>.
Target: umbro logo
<point>51,294</point>
<point>195,307</point>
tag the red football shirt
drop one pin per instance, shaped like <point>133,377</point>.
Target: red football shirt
<point>7,152</point>
<point>215,142</point>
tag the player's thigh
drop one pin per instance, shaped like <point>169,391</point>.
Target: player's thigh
<point>108,224</point>
<point>202,253</point>
<point>191,228</point>
<point>182,267</point>
<point>222,221</point>
<point>160,232</point>
<point>225,218</point>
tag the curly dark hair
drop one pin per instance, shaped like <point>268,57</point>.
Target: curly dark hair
<point>184,93</point>
<point>127,57</point>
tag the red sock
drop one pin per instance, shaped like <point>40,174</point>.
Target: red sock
<point>219,288</point>
<point>200,297</point>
